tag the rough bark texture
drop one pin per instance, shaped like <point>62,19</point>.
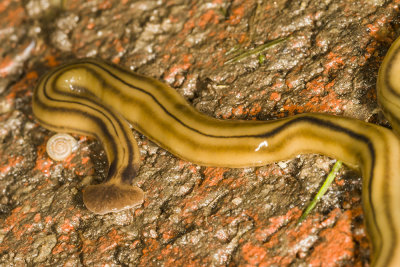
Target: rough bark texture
<point>192,215</point>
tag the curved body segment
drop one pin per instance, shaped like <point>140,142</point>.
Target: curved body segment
<point>95,98</point>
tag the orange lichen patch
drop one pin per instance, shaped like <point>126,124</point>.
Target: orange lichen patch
<point>85,160</point>
<point>268,170</point>
<point>340,181</point>
<point>48,220</point>
<point>235,182</point>
<point>274,224</point>
<point>193,168</point>
<point>62,247</point>
<point>14,16</point>
<point>27,82</point>
<point>173,19</point>
<point>37,218</point>
<point>52,61</point>
<point>134,244</point>
<point>67,226</point>
<point>44,166</point>
<point>315,87</point>
<point>43,162</point>
<point>188,26</point>
<point>320,42</point>
<point>3,247</point>
<point>371,48</point>
<point>5,65</point>
<point>116,59</point>
<point>213,176</point>
<point>338,243</point>
<point>100,249</point>
<point>265,248</point>
<point>208,17</point>
<point>373,29</point>
<point>222,35</point>
<point>378,29</point>
<point>359,232</point>
<point>151,246</point>
<point>4,4</point>
<point>11,163</point>
<point>22,230</point>
<point>45,184</point>
<point>191,205</point>
<point>334,62</point>
<point>293,109</point>
<point>88,246</point>
<point>17,215</point>
<point>181,164</point>
<point>213,62</point>
<point>170,75</point>
<point>168,235</point>
<point>110,241</point>
<point>274,96</point>
<point>253,254</point>
<point>237,14</point>
<point>90,26</point>
<point>67,162</point>
<point>64,238</point>
<point>237,111</point>
<point>106,4</point>
<point>23,249</point>
<point>240,111</point>
<point>117,44</point>
<point>10,98</point>
<point>242,37</point>
<point>225,116</point>
<point>32,75</point>
<point>328,103</point>
<point>274,232</point>
<point>84,168</point>
<point>256,109</point>
<point>173,256</point>
<point>14,222</point>
<point>79,163</point>
<point>190,23</point>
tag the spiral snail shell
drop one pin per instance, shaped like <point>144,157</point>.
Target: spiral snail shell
<point>60,146</point>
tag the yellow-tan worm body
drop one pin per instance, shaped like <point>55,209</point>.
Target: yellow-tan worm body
<point>94,98</point>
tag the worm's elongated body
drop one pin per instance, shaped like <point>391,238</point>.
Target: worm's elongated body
<point>94,98</point>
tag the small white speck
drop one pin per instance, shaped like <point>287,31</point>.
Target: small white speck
<point>282,164</point>
<point>153,233</point>
<point>261,145</point>
<point>237,201</point>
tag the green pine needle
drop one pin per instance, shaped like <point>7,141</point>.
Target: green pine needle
<point>322,190</point>
<point>256,50</point>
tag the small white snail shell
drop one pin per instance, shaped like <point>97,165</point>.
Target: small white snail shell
<point>60,146</point>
